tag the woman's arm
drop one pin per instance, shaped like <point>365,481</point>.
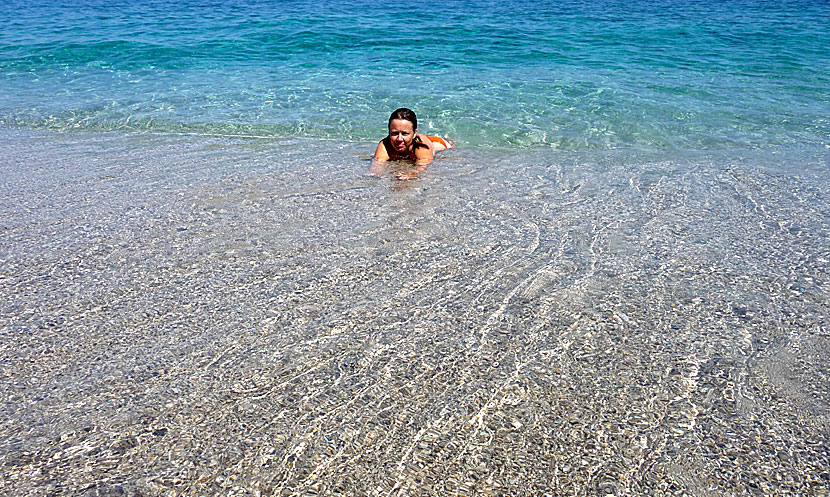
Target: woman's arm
<point>425,152</point>
<point>381,156</point>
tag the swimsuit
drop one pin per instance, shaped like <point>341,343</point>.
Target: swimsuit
<point>438,139</point>
<point>417,143</point>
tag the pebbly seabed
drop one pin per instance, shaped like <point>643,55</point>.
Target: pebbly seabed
<point>184,315</point>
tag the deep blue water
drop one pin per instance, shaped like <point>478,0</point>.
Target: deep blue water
<point>574,75</point>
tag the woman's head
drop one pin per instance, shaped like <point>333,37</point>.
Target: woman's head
<point>403,125</point>
<point>406,115</point>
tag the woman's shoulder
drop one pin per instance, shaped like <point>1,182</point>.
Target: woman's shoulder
<point>382,150</point>
<point>422,140</point>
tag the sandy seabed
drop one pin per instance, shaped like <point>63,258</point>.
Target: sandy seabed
<point>209,316</point>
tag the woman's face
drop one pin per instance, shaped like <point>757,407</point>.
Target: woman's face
<point>401,134</point>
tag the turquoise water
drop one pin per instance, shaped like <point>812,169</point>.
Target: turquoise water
<point>568,75</point>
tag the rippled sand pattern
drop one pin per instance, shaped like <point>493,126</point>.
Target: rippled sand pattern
<point>192,317</point>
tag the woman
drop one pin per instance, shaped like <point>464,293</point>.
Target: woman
<point>404,142</point>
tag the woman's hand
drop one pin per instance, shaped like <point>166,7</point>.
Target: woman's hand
<point>420,166</point>
<point>377,168</point>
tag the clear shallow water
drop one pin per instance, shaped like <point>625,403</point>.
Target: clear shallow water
<point>571,75</point>
<point>191,315</point>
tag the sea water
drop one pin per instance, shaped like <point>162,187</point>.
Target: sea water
<point>617,283</point>
<point>564,75</point>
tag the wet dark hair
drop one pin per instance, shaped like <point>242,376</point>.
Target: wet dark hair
<point>406,115</point>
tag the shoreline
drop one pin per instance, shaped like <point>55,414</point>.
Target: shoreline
<point>204,315</point>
